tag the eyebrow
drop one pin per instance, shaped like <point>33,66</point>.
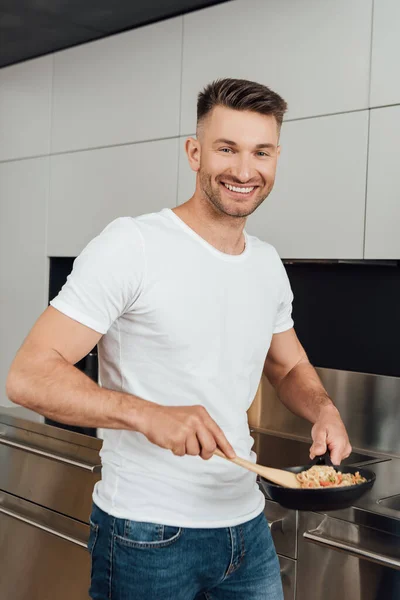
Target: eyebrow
<point>232,143</point>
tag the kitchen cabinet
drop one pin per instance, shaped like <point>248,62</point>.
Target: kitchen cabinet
<point>25,106</point>
<point>292,47</point>
<point>90,189</point>
<point>317,207</point>
<point>382,240</point>
<point>385,80</point>
<point>123,88</point>
<point>23,266</point>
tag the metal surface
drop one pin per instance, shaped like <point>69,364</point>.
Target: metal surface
<point>369,405</point>
<point>279,452</point>
<point>381,559</point>
<point>38,451</point>
<point>340,559</point>
<point>48,471</point>
<point>393,502</point>
<point>283,525</point>
<point>49,521</point>
<point>288,575</point>
<point>14,515</point>
<point>43,554</point>
<point>370,510</point>
<point>52,433</point>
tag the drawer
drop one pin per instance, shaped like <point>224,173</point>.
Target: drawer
<point>43,554</point>
<point>47,471</point>
<point>288,575</point>
<point>283,524</point>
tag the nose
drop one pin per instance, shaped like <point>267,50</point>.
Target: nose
<point>243,168</point>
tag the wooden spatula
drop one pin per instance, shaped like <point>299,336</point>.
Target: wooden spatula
<point>283,478</point>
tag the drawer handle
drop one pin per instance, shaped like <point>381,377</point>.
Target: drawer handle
<point>274,525</point>
<point>58,458</point>
<point>316,538</point>
<point>58,534</point>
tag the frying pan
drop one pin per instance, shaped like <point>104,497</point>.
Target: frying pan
<point>320,499</point>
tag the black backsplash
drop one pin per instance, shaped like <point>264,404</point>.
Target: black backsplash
<point>347,316</point>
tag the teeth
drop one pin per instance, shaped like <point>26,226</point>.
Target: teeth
<point>233,188</point>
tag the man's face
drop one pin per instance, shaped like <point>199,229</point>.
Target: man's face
<point>236,159</point>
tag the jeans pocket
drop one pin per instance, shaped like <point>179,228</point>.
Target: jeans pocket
<point>138,534</point>
<point>94,531</point>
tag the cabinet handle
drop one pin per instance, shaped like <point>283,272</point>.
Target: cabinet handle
<point>274,525</point>
<point>316,538</point>
<point>58,534</point>
<point>56,457</point>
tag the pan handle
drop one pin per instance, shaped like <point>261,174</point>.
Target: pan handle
<point>324,459</point>
<point>316,537</point>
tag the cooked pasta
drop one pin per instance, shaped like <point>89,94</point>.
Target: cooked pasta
<point>322,476</point>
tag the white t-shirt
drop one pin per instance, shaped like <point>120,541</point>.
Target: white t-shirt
<point>183,324</point>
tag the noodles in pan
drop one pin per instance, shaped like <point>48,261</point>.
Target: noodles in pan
<point>322,476</point>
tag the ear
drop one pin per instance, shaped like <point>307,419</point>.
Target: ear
<point>192,147</point>
<point>278,151</point>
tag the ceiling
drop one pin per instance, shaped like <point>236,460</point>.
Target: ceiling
<point>31,28</point>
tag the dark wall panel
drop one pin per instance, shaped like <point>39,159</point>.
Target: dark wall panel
<point>347,316</point>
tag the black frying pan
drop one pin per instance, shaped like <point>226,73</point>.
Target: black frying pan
<point>324,499</point>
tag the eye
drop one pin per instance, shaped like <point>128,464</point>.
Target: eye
<point>226,150</point>
<point>262,154</point>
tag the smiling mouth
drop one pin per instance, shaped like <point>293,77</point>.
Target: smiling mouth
<point>239,190</point>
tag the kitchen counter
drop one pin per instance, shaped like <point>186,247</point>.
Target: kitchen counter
<point>379,508</point>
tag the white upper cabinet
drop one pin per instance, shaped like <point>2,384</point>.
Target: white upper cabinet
<point>23,263</point>
<point>382,237</point>
<point>25,106</point>
<point>385,77</point>
<point>317,207</point>
<point>315,54</point>
<point>120,89</point>
<point>90,189</point>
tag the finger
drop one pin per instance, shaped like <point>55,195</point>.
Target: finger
<point>192,445</point>
<point>336,456</point>
<point>207,442</point>
<point>339,452</point>
<point>221,440</point>
<point>179,449</point>
<point>319,446</point>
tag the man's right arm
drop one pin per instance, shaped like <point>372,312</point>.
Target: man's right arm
<point>44,379</point>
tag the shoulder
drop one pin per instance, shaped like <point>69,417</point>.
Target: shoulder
<point>265,250</point>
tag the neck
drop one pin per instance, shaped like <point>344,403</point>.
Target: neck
<point>223,232</point>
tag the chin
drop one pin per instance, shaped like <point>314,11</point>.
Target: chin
<point>238,211</point>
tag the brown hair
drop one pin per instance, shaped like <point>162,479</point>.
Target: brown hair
<point>240,94</point>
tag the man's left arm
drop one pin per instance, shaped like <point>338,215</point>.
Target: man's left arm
<point>300,389</point>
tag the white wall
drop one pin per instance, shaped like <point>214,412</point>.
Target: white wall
<point>97,131</point>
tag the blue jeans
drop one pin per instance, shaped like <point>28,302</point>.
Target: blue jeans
<point>149,561</point>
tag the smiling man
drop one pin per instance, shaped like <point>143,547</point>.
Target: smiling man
<point>188,310</point>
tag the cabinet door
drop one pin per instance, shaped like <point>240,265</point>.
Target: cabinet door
<point>25,102</point>
<point>385,80</point>
<point>23,266</point>
<point>315,54</point>
<point>317,207</point>
<point>43,554</point>
<point>90,189</point>
<point>382,239</point>
<point>123,88</point>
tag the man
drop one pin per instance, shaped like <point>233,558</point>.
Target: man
<point>188,310</point>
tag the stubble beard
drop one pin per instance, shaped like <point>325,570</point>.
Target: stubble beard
<point>214,197</point>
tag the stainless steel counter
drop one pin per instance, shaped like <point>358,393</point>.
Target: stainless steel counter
<point>374,509</point>
<point>46,483</point>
